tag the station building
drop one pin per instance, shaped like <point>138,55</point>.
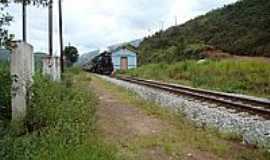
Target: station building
<point>124,58</point>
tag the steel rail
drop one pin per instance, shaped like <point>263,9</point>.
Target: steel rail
<point>253,101</point>
<point>254,106</point>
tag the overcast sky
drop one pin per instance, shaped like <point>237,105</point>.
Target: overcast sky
<point>92,24</point>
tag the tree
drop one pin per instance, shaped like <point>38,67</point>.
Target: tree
<point>241,28</point>
<point>24,4</point>
<point>5,20</point>
<point>71,54</point>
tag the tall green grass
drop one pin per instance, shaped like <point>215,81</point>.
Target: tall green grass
<point>60,125</point>
<point>5,84</point>
<point>5,95</point>
<point>247,76</point>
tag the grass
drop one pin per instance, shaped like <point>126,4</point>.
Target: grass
<point>244,76</point>
<point>60,124</point>
<point>5,84</point>
<point>183,137</point>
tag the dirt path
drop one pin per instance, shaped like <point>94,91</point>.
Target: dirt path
<point>143,136</point>
<point>124,124</point>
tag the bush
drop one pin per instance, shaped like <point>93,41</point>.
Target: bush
<point>60,124</point>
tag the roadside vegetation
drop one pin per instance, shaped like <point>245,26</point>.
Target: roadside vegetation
<point>5,85</point>
<point>60,124</point>
<point>181,137</point>
<point>238,75</point>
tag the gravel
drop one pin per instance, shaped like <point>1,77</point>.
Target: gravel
<point>253,129</point>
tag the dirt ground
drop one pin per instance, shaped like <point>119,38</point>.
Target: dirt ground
<point>139,135</point>
<point>121,123</point>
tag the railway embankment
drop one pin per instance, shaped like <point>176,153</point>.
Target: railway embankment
<point>253,129</point>
<point>239,75</point>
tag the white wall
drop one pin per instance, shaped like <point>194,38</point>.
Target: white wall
<point>132,58</point>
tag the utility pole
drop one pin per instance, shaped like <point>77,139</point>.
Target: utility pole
<point>176,23</point>
<point>24,20</point>
<point>149,32</point>
<point>61,36</point>
<point>50,16</point>
<point>162,25</point>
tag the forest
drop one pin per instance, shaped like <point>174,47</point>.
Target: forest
<point>242,28</point>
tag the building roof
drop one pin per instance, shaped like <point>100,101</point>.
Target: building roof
<point>132,45</point>
<point>128,47</point>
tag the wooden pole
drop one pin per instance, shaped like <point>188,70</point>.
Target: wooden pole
<point>61,36</point>
<point>50,16</point>
<point>24,20</point>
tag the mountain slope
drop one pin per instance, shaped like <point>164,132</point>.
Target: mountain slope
<point>242,28</point>
<point>86,57</point>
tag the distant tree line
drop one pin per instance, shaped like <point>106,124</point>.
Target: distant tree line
<point>71,54</point>
<point>242,28</point>
<point>6,18</point>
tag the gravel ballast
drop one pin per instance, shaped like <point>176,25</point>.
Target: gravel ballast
<point>255,130</point>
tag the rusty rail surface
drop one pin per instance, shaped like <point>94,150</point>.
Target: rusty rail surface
<point>248,104</point>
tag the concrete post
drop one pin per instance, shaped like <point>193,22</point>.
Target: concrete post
<point>21,73</point>
<point>52,68</point>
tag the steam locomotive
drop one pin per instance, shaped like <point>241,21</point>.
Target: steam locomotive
<point>101,64</point>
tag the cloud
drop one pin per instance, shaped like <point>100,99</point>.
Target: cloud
<point>99,23</point>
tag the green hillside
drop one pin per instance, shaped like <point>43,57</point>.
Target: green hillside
<point>242,28</point>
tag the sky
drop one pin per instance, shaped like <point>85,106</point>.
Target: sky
<point>97,24</point>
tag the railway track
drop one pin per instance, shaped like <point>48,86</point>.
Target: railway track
<point>242,103</point>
